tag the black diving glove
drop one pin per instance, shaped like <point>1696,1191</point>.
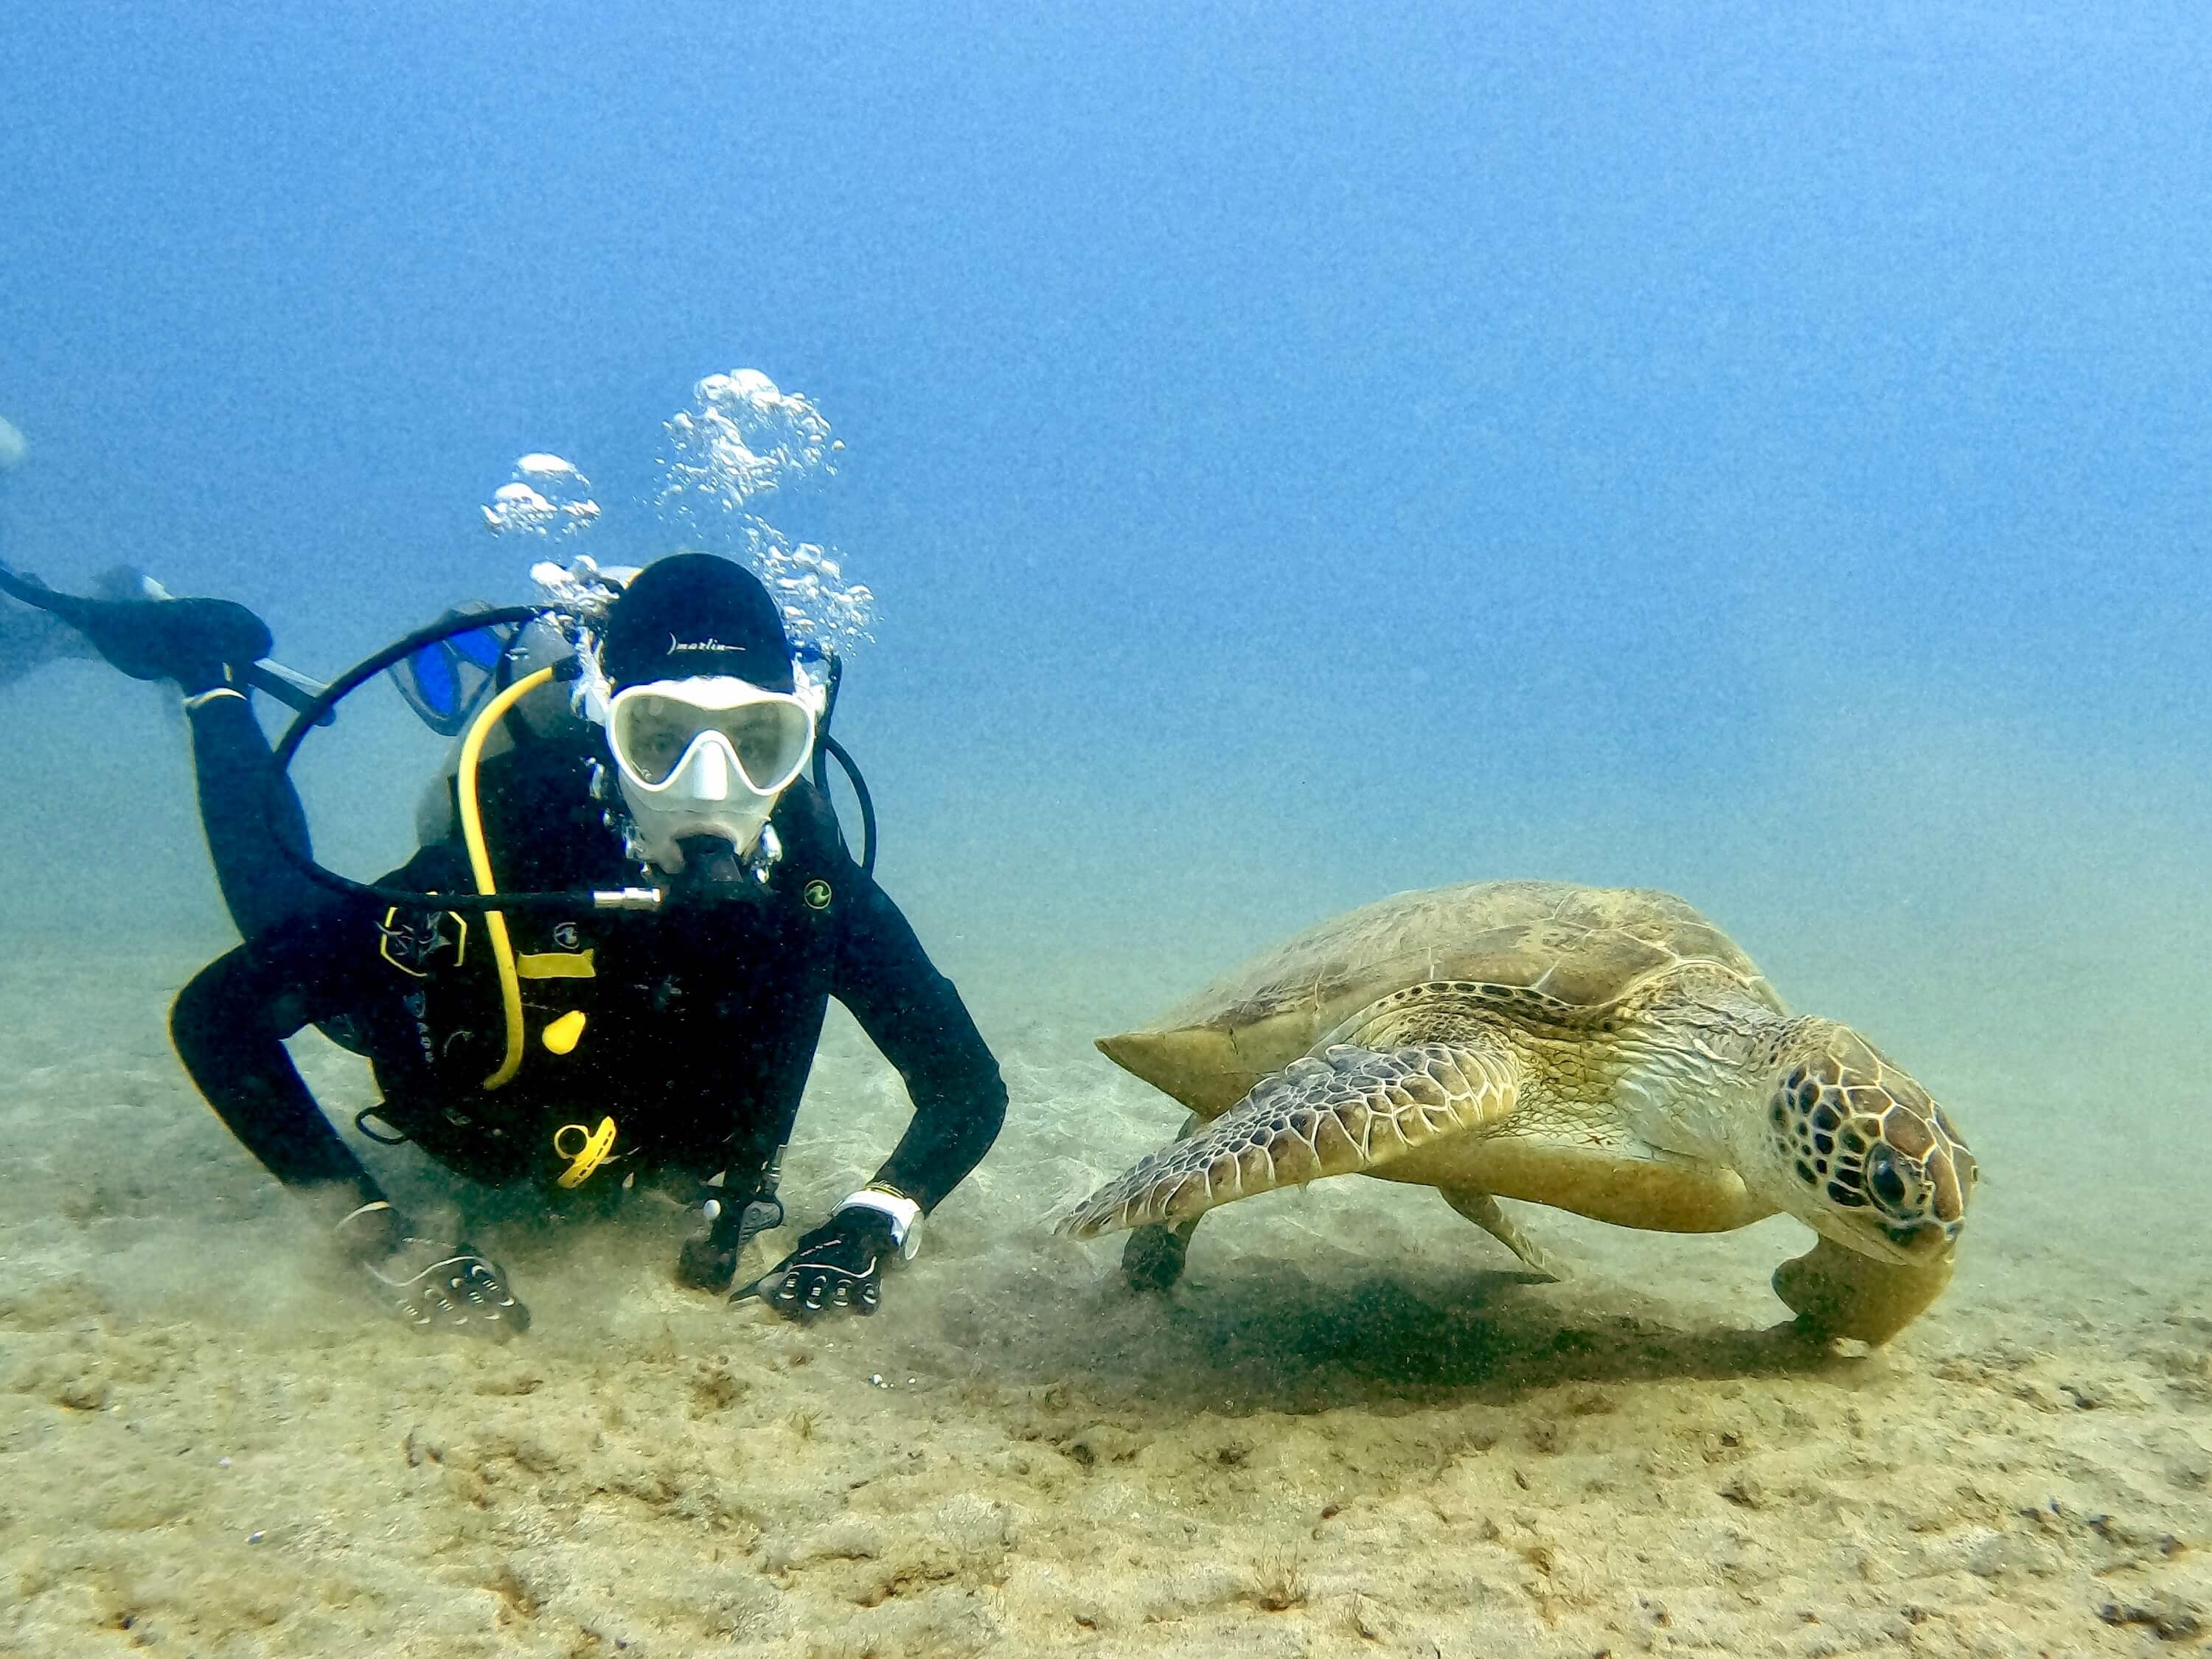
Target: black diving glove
<point>434,1284</point>
<point>837,1268</point>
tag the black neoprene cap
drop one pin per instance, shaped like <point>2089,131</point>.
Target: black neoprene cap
<point>694,613</point>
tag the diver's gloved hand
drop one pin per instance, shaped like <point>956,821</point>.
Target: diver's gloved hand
<point>838,1267</point>
<point>710,1263</point>
<point>435,1286</point>
<point>433,1283</point>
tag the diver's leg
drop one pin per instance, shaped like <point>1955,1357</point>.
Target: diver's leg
<point>193,642</point>
<point>245,804</point>
<point>204,644</point>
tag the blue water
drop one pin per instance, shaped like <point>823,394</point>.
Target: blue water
<point>1297,454</point>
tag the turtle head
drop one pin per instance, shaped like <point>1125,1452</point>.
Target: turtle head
<point>1856,1150</point>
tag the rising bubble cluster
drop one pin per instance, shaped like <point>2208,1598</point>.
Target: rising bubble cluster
<point>742,439</point>
<point>547,496</point>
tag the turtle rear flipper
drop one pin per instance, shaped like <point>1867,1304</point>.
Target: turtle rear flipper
<point>1153,1259</point>
<point>1344,1111</point>
<point>1483,1210</point>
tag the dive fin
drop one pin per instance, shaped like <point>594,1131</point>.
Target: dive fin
<point>30,638</point>
<point>137,628</point>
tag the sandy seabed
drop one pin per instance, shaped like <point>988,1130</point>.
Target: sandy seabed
<point>1355,1430</point>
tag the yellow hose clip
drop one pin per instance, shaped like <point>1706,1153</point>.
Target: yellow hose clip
<point>591,1147</point>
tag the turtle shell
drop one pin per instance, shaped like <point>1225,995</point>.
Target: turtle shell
<point>1580,946</point>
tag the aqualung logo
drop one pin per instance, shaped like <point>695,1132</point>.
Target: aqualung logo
<point>416,941</point>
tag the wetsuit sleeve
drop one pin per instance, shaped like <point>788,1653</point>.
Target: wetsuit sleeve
<point>913,1014</point>
<point>230,1025</point>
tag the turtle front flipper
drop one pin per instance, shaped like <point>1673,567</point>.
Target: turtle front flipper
<point>1343,1111</point>
<point>1153,1258</point>
<point>1835,1292</point>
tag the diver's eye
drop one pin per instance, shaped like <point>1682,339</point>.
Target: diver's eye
<point>1886,1182</point>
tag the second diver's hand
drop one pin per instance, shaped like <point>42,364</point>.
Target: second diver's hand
<point>434,1284</point>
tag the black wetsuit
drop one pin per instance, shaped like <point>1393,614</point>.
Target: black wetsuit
<point>698,1023</point>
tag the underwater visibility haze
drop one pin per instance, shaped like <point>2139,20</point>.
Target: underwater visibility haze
<point>1251,461</point>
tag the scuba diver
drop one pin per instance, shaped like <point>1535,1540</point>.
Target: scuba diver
<point>633,997</point>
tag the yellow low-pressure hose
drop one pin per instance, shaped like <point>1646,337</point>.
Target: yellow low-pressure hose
<point>472,836</point>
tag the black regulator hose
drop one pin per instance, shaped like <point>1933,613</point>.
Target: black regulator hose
<point>826,745</point>
<point>318,713</point>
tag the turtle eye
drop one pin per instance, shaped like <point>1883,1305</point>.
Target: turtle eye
<point>1891,1190</point>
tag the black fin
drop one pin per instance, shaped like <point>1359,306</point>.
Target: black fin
<point>30,638</point>
<point>189,641</point>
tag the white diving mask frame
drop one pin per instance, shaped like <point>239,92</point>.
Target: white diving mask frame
<point>707,756</point>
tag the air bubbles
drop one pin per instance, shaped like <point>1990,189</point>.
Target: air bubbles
<point>583,588</point>
<point>13,445</point>
<point>548,496</point>
<point>744,439</point>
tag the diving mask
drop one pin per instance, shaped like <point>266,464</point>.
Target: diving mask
<point>449,680</point>
<point>708,756</point>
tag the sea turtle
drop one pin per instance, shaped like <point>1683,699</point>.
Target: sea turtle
<point>1608,1051</point>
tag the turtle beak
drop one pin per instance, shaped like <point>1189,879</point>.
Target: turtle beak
<point>1917,1246</point>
